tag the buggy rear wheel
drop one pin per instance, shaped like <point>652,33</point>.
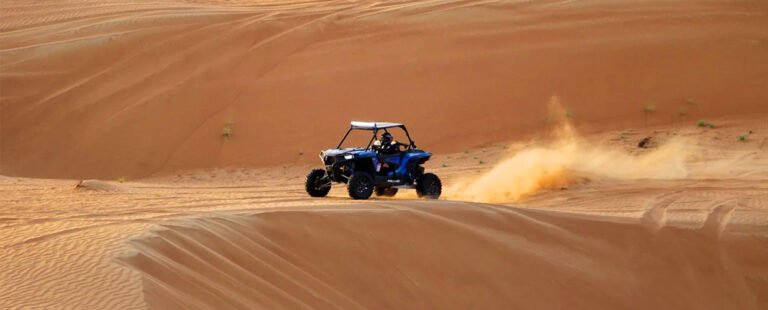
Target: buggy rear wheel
<point>360,185</point>
<point>429,186</point>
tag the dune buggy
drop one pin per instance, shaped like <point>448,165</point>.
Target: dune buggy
<point>367,170</point>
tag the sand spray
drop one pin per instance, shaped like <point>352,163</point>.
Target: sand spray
<point>566,159</point>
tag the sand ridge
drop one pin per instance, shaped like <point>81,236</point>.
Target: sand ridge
<point>447,255</point>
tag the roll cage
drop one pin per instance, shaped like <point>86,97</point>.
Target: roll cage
<point>375,127</point>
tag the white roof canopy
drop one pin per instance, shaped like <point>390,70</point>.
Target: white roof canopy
<point>374,125</point>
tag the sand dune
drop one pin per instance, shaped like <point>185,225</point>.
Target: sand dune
<point>119,188</point>
<point>111,89</point>
<point>448,255</point>
<point>252,239</point>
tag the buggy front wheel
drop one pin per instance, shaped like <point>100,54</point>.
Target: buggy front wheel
<point>318,184</point>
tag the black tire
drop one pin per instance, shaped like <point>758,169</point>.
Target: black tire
<point>360,185</point>
<point>318,184</point>
<point>386,191</point>
<point>429,186</point>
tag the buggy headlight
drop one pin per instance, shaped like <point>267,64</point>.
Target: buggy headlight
<point>349,156</point>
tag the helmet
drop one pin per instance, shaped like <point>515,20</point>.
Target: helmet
<point>386,138</point>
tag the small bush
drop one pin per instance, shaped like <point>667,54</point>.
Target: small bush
<point>226,132</point>
<point>743,138</point>
<point>704,123</point>
<point>121,180</point>
<point>649,108</point>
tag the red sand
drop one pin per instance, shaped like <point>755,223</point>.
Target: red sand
<point>136,89</point>
<point>127,90</point>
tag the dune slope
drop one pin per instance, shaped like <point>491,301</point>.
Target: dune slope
<point>114,89</point>
<point>451,256</point>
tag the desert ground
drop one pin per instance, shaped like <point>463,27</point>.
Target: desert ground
<point>153,154</point>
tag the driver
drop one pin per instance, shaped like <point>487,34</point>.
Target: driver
<point>388,146</point>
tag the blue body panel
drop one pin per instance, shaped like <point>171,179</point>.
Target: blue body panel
<point>406,158</point>
<point>402,162</point>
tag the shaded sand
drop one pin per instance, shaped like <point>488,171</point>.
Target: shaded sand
<point>111,89</point>
<point>415,255</point>
<point>252,238</point>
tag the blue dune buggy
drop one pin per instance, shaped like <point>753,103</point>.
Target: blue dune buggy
<point>380,168</point>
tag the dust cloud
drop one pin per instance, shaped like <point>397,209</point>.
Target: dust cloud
<point>565,159</point>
